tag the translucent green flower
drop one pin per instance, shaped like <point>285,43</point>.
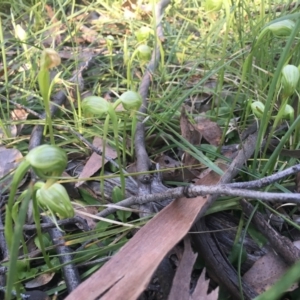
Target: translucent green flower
<point>131,100</point>
<point>143,34</point>
<point>213,5</point>
<point>288,112</point>
<point>144,52</point>
<point>56,199</point>
<point>50,59</point>
<point>258,109</point>
<point>96,106</point>
<point>281,28</point>
<point>46,160</point>
<point>289,80</point>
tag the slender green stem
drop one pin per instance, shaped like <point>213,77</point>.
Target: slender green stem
<point>36,216</point>
<point>18,176</point>
<point>116,135</point>
<point>44,84</point>
<point>241,250</point>
<point>14,247</point>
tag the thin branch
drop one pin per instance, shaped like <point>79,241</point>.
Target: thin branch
<point>225,189</point>
<point>64,222</point>
<point>70,272</point>
<point>142,160</point>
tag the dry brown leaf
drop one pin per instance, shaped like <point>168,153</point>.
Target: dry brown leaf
<point>189,133</point>
<point>181,283</point>
<point>9,160</point>
<point>88,34</point>
<point>130,270</point>
<point>39,280</point>
<point>14,130</point>
<point>19,114</point>
<point>93,210</point>
<point>210,130</point>
<point>200,292</point>
<point>95,161</point>
<point>55,28</point>
<point>267,271</point>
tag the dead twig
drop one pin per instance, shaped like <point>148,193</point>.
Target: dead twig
<point>143,163</point>
<point>232,189</point>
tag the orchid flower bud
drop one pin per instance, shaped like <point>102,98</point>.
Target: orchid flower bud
<point>144,52</point>
<point>258,109</point>
<point>46,160</point>
<point>96,106</point>
<point>289,79</point>
<point>131,100</point>
<point>110,41</point>
<point>281,28</point>
<point>20,33</point>
<point>288,112</point>
<point>56,199</point>
<point>50,59</point>
<point>143,34</point>
<point>213,5</point>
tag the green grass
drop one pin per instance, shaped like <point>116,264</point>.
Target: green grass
<point>204,53</point>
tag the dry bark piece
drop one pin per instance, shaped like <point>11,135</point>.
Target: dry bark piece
<point>266,272</point>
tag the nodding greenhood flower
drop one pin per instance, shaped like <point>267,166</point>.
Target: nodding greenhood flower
<point>131,100</point>
<point>289,80</point>
<point>213,5</point>
<point>142,34</point>
<point>281,28</point>
<point>47,160</point>
<point>288,112</point>
<point>50,59</point>
<point>258,109</point>
<point>144,52</point>
<point>56,199</point>
<point>96,106</point>
<point>20,33</point>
